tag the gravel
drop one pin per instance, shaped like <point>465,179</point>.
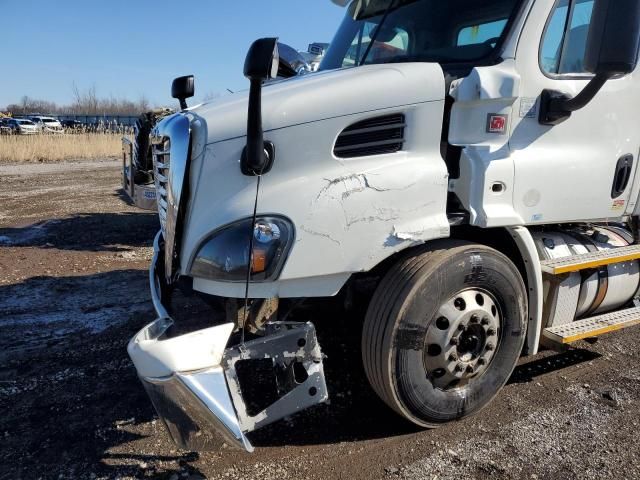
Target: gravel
<point>73,290</point>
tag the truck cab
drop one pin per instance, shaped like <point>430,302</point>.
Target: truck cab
<point>472,165</point>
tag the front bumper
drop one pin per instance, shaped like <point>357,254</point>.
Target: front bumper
<point>194,385</point>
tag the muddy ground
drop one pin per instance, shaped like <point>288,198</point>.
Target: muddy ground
<point>73,289</point>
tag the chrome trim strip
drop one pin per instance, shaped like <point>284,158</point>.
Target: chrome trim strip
<point>177,130</point>
<point>154,284</point>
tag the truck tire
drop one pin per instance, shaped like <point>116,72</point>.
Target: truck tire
<point>444,331</point>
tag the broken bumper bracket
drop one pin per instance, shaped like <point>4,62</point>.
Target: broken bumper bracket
<point>194,385</point>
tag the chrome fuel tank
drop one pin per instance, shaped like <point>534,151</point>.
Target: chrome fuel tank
<point>589,292</point>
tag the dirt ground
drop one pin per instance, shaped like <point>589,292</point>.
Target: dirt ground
<point>73,290</point>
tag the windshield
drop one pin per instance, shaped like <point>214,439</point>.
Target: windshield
<point>453,31</point>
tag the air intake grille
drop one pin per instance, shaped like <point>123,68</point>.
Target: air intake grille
<point>371,137</point>
<point>161,162</point>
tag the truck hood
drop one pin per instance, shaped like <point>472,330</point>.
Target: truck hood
<point>349,214</point>
<point>324,95</point>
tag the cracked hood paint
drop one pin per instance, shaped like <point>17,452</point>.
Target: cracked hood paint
<point>323,95</point>
<point>348,214</point>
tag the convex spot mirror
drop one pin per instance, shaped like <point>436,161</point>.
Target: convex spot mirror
<point>183,88</point>
<point>291,62</point>
<point>614,37</point>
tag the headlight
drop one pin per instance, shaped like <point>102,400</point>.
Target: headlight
<point>224,255</point>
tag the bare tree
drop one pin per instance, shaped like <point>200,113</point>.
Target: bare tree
<point>143,104</point>
<point>24,103</point>
<point>85,102</point>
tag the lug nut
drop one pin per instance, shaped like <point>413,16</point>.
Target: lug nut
<point>461,327</point>
<point>491,332</point>
<point>453,357</point>
<point>474,319</point>
<point>485,321</point>
<point>482,361</point>
<point>490,347</point>
<point>455,341</point>
<point>459,367</point>
<point>470,369</point>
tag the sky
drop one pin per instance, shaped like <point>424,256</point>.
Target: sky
<point>134,48</point>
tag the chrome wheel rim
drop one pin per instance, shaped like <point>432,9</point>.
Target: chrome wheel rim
<point>462,339</point>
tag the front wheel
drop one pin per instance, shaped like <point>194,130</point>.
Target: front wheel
<point>444,331</point>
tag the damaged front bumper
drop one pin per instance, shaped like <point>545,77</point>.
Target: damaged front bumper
<point>198,384</point>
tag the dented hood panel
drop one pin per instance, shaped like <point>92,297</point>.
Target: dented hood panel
<point>349,214</point>
<point>325,95</point>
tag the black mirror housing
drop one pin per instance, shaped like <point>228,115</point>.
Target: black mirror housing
<point>614,37</point>
<point>262,59</point>
<point>183,88</point>
<point>261,64</point>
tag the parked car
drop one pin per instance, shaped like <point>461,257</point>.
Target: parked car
<point>4,126</point>
<point>23,126</point>
<point>47,124</point>
<point>72,124</point>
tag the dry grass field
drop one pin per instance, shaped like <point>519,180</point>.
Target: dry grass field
<point>48,148</point>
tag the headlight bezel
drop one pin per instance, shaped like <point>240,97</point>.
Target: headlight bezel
<point>203,262</point>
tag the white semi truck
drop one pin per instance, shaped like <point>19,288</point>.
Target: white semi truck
<point>473,160</point>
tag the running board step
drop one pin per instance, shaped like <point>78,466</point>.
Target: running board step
<point>593,327</point>
<point>558,266</point>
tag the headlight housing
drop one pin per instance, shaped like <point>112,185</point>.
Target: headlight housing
<point>224,255</point>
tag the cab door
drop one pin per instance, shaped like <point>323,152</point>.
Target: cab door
<point>583,168</point>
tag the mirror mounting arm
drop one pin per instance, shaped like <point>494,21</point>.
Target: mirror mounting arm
<point>556,107</point>
<point>257,156</point>
<point>260,65</point>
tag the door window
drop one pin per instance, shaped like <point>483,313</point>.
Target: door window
<point>565,39</point>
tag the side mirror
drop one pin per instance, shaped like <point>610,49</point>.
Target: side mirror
<point>614,37</point>
<point>260,65</point>
<point>612,49</point>
<point>262,59</point>
<point>183,88</point>
<point>292,63</point>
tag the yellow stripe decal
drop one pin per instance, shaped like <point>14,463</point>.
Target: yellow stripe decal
<point>575,267</point>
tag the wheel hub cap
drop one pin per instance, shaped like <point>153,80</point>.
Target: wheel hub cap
<point>462,340</point>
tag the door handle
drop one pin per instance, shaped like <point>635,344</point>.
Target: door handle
<point>622,175</point>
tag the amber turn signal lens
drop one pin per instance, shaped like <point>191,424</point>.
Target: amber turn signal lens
<point>259,260</point>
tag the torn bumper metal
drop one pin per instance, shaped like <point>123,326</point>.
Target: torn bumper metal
<point>196,381</point>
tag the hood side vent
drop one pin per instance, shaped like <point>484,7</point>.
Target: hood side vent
<point>374,136</point>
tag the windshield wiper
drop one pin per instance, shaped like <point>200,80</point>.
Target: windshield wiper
<point>375,34</point>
